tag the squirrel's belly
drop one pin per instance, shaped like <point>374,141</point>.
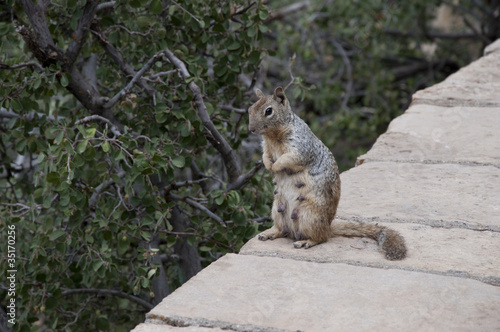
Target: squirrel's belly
<point>292,201</point>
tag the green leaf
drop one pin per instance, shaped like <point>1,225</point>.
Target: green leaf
<point>151,273</point>
<point>64,81</point>
<point>38,193</point>
<point>171,240</point>
<point>102,323</point>
<point>51,303</point>
<point>56,234</point>
<point>105,146</point>
<point>89,132</point>
<point>53,177</point>
<point>97,265</point>
<point>263,14</point>
<point>146,235</point>
<point>234,46</point>
<point>179,161</point>
<point>239,218</point>
<point>59,137</point>
<point>161,116</point>
<point>41,158</point>
<point>80,148</point>
<point>16,105</point>
<point>251,31</point>
<point>155,7</point>
<point>123,244</point>
<point>219,200</point>
<point>47,201</point>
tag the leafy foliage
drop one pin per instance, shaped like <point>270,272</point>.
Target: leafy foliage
<point>120,122</point>
<point>92,188</point>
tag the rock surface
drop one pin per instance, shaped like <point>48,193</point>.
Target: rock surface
<point>260,293</point>
<point>442,195</point>
<point>434,134</point>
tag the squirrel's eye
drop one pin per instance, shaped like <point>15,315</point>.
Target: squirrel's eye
<point>269,111</point>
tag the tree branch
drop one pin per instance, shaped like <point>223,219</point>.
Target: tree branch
<point>431,35</point>
<point>180,184</point>
<point>189,257</point>
<point>348,66</point>
<point>294,7</point>
<point>134,79</point>
<point>96,117</point>
<point>113,292</point>
<point>471,26</point>
<point>40,42</point>
<point>21,65</point>
<point>36,15</point>
<point>81,31</point>
<point>244,179</point>
<point>89,70</point>
<point>105,5</point>
<point>117,57</point>
<point>233,109</point>
<point>292,78</point>
<point>215,138</point>
<point>198,206</point>
<point>185,11</point>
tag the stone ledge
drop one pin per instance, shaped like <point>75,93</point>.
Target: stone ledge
<point>475,85</point>
<point>432,134</point>
<point>294,295</point>
<point>446,195</point>
<point>493,47</point>
<point>451,252</point>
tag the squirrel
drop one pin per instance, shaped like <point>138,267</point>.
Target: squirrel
<point>306,180</point>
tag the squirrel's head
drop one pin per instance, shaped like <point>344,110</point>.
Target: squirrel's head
<point>270,113</point>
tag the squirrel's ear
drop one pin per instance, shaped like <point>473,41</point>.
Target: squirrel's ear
<point>279,95</point>
<point>259,93</point>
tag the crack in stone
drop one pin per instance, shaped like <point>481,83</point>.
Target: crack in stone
<point>179,321</point>
<point>364,160</point>
<point>454,102</point>
<point>490,280</point>
<point>433,223</point>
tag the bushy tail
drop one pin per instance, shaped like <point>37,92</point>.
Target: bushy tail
<point>391,241</point>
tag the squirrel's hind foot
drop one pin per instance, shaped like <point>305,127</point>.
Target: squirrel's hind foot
<point>306,244</point>
<point>270,235</point>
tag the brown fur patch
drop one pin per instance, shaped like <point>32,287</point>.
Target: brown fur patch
<point>277,135</point>
<point>259,103</point>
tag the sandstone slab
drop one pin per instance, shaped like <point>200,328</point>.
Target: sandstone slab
<point>249,293</point>
<point>436,134</point>
<point>493,47</point>
<point>475,85</point>
<point>453,252</point>
<point>442,195</point>
<point>479,71</point>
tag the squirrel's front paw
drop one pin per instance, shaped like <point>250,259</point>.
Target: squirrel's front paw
<point>278,169</point>
<point>268,163</point>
